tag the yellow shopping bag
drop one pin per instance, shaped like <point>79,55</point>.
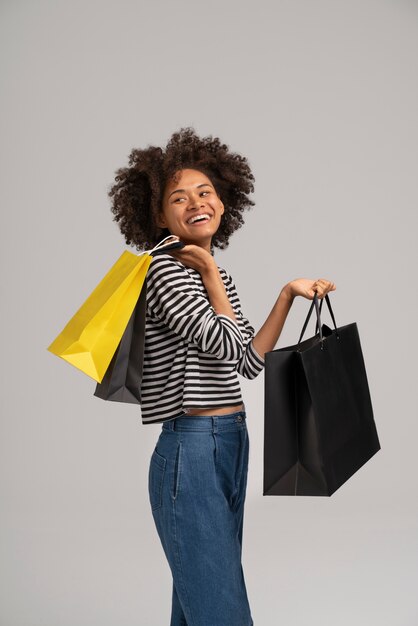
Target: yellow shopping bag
<point>91,337</point>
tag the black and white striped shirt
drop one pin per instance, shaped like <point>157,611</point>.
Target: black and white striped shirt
<point>191,354</point>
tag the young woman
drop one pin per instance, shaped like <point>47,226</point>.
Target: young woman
<point>196,342</point>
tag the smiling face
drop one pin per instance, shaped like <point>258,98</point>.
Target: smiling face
<point>192,194</point>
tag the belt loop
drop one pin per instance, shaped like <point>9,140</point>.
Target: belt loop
<point>214,423</point>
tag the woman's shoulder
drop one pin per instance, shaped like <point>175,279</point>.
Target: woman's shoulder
<point>166,263</point>
<point>165,266</point>
<point>164,260</point>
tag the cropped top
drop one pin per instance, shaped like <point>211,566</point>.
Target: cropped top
<point>191,354</point>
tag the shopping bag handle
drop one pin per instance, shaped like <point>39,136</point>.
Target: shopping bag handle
<point>318,318</point>
<point>176,244</point>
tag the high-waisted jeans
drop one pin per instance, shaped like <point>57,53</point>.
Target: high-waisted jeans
<point>197,484</point>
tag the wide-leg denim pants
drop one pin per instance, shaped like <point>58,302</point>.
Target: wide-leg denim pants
<point>197,484</point>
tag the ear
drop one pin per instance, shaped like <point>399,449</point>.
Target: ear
<point>160,220</point>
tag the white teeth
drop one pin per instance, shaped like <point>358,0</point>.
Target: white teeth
<point>193,219</point>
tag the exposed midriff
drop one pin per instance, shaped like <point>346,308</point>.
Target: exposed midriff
<point>216,410</point>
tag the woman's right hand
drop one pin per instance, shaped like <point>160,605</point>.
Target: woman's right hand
<point>195,257</point>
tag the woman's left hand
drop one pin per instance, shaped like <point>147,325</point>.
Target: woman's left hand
<point>306,287</point>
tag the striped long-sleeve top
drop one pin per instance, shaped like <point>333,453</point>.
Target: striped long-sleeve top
<point>191,354</point>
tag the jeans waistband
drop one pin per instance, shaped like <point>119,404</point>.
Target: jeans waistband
<point>205,422</point>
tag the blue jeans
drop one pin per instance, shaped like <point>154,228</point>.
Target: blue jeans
<point>197,484</point>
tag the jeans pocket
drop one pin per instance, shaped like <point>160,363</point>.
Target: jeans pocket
<point>155,479</point>
<point>177,470</point>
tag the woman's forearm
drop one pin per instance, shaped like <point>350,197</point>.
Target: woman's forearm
<point>268,335</point>
<point>215,288</point>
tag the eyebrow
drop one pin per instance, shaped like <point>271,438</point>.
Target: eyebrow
<point>202,185</point>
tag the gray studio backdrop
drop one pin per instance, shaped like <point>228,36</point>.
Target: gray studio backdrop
<point>322,99</point>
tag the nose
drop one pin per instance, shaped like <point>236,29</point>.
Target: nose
<point>196,202</point>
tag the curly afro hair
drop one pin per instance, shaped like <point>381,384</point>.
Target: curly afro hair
<point>138,191</point>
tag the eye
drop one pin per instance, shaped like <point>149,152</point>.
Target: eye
<point>177,199</point>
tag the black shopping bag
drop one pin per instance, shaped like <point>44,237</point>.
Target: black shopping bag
<point>319,427</point>
<point>123,377</point>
